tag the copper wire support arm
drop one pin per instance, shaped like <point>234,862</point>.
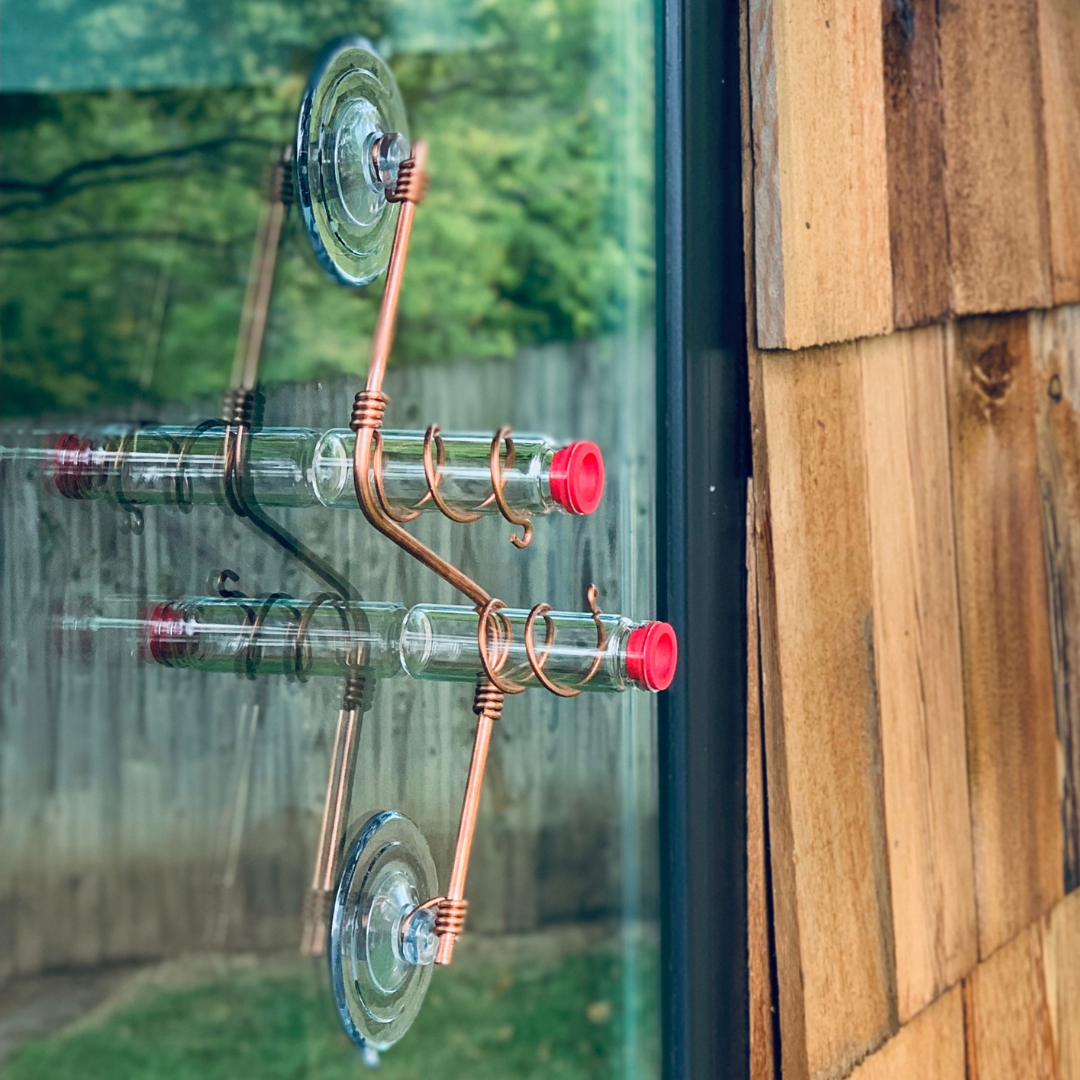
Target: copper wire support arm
<point>371,402</point>
<point>335,818</point>
<point>450,916</point>
<point>494,629</point>
<point>237,416</point>
<point>260,283</point>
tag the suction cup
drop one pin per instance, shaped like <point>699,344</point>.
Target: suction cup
<point>382,942</point>
<point>351,137</point>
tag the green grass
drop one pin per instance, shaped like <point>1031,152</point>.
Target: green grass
<point>479,1021</point>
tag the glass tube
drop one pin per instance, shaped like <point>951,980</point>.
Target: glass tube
<point>298,467</point>
<point>442,642</point>
<point>282,636</point>
<point>257,636</point>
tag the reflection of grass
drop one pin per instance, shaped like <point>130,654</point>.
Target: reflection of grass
<point>479,1020</point>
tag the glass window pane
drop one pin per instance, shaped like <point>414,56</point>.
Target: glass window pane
<point>159,821</point>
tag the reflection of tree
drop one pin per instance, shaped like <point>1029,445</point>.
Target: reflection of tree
<point>527,229</point>
<point>73,179</point>
<point>117,236</point>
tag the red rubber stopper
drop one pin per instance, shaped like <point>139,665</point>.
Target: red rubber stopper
<point>66,465</point>
<point>162,627</point>
<point>149,631</point>
<point>577,477</point>
<point>652,652</point>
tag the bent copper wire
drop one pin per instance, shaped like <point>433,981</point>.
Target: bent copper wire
<point>498,484</point>
<point>356,700</point>
<point>256,306</point>
<point>135,515</point>
<point>434,460</point>
<point>335,816</point>
<point>451,910</point>
<point>184,500</point>
<point>237,412</point>
<point>494,630</point>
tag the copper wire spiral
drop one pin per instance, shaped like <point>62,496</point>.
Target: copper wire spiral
<point>411,183</point>
<point>315,918</point>
<point>450,916</point>
<point>369,407</point>
<point>165,632</point>
<point>488,701</point>
<point>494,637</point>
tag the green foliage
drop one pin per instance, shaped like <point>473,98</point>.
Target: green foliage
<point>479,1021</point>
<point>130,214</point>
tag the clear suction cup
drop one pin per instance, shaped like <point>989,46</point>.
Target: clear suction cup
<point>382,940</point>
<point>351,137</point>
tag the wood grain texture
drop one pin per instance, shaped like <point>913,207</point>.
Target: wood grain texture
<point>788,988</point>
<point>914,129</point>
<point>1061,962</point>
<point>995,179</point>
<point>1007,1020</point>
<point>768,231</point>
<point>1008,671</point>
<point>787,992</point>
<point>931,1047</point>
<point>830,876</point>
<point>759,948</point>
<point>1059,52</point>
<point>1055,338</point>
<point>918,662</point>
<point>821,204</point>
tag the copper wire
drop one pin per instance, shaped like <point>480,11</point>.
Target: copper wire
<point>433,475</point>
<point>498,483</point>
<point>434,461</point>
<point>450,917</point>
<point>493,629</point>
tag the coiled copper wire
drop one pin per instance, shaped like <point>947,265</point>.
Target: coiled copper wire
<point>411,183</point>
<point>450,916</point>
<point>494,636</point>
<point>434,460</point>
<point>369,407</point>
<point>168,644</point>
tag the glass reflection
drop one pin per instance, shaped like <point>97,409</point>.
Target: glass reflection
<point>157,827</point>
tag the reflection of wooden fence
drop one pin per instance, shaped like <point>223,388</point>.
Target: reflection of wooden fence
<point>129,794</point>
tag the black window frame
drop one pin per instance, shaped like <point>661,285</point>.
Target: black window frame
<point>704,463</point>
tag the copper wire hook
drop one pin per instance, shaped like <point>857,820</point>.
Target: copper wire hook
<point>498,483</point>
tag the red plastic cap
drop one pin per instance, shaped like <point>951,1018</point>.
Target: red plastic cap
<point>652,652</point>
<point>67,464</point>
<point>161,634</point>
<point>577,477</point>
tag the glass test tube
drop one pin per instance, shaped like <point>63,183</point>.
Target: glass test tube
<point>442,642</point>
<point>282,636</point>
<point>255,635</point>
<point>298,467</point>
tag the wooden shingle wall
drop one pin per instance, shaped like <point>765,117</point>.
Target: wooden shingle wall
<point>912,160</point>
<point>912,215</point>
